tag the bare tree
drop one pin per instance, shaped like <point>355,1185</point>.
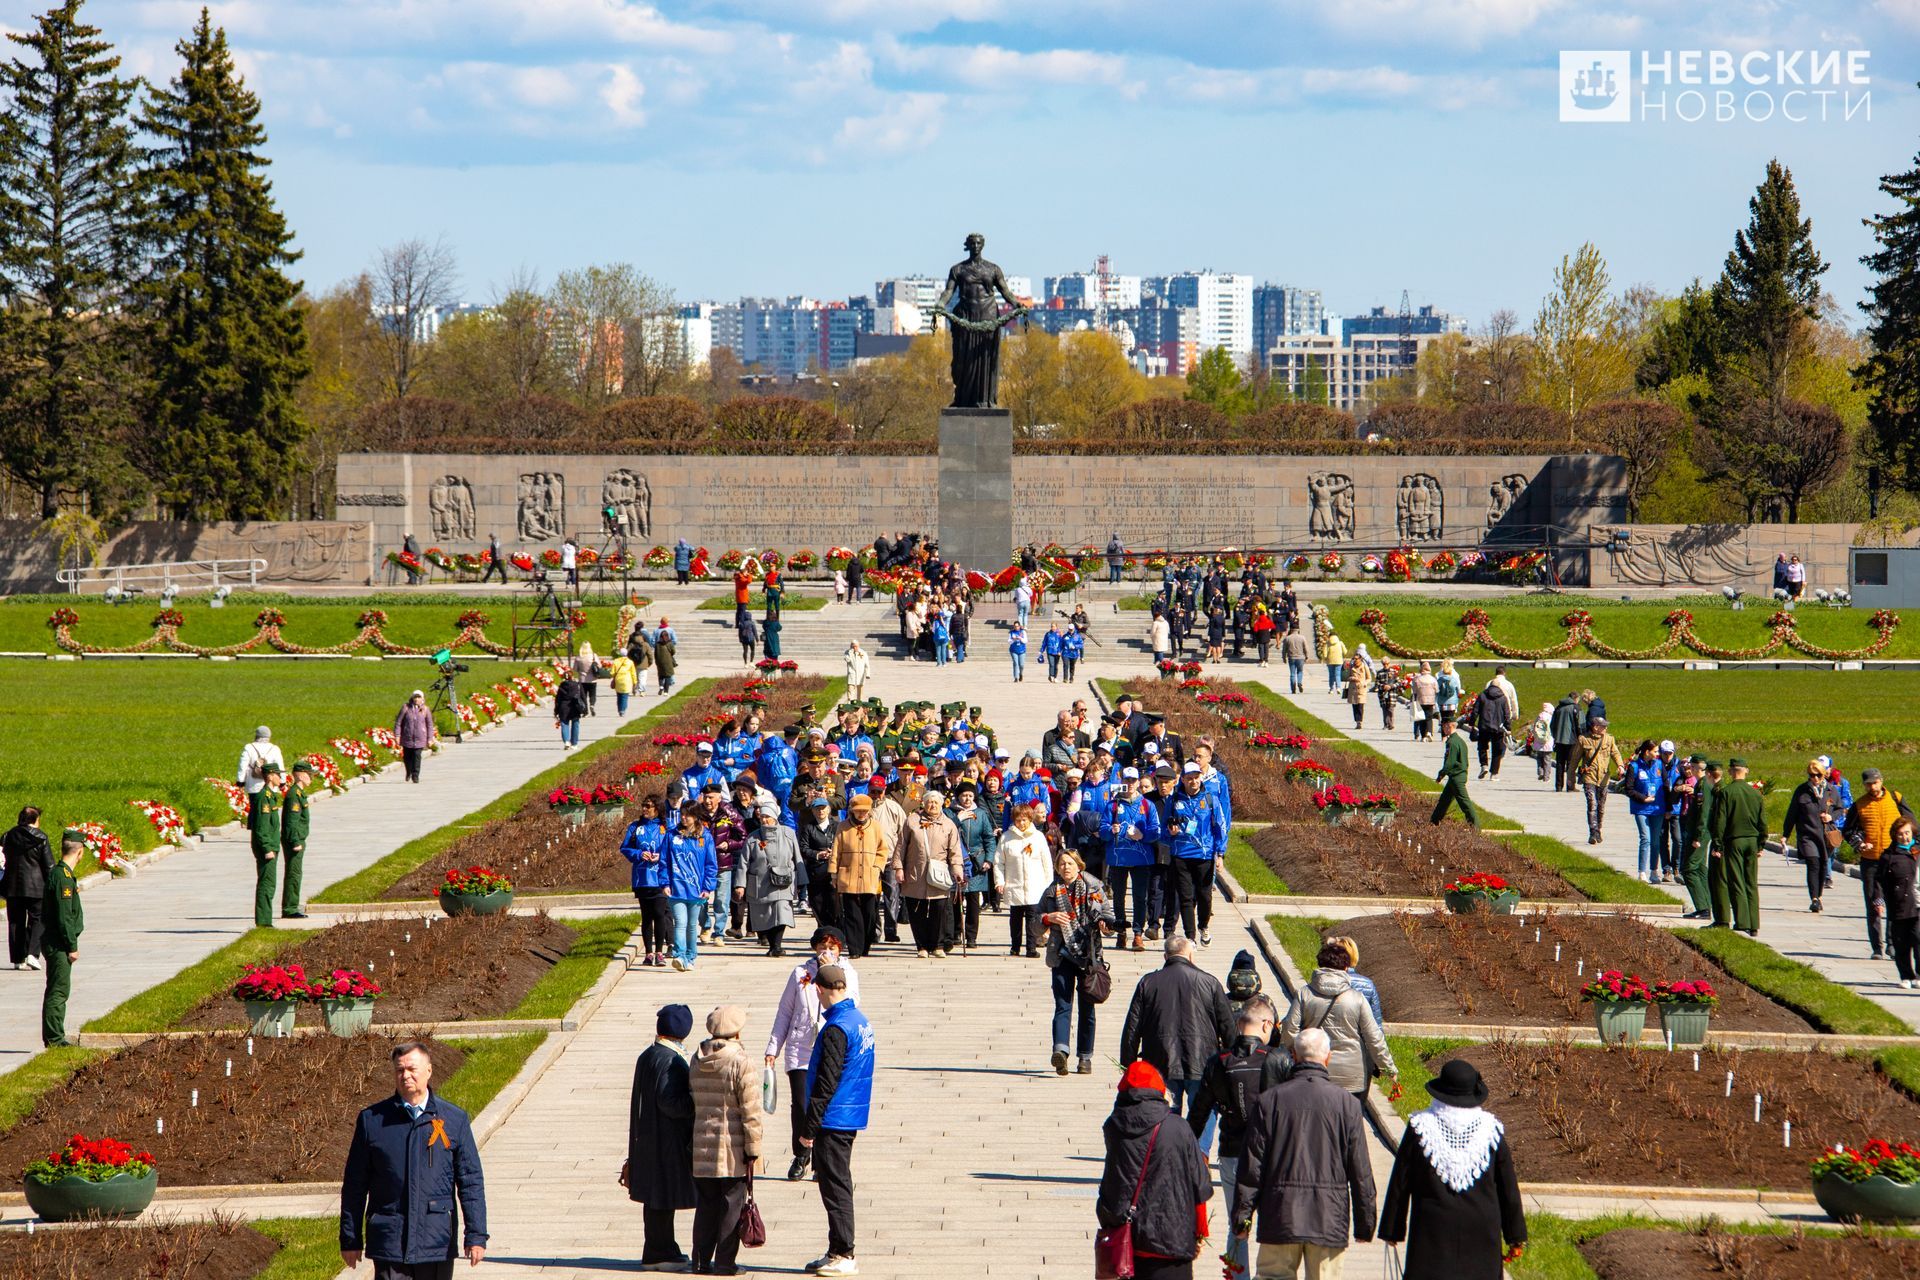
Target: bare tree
<point>526,333</point>
<point>1504,350</point>
<point>615,333</point>
<point>411,281</point>
<point>1642,433</point>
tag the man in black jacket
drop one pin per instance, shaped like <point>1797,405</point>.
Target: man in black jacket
<point>1235,1079</point>
<point>1306,1167</point>
<point>1492,717</point>
<point>1178,1020</point>
<point>29,866</point>
<point>658,1173</point>
<point>1566,733</point>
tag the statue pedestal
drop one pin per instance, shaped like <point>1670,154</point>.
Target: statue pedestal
<point>976,488</point>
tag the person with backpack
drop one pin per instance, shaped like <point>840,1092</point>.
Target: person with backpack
<point>1329,1002</point>
<point>1233,1081</point>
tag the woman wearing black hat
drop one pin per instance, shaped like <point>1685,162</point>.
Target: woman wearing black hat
<point>658,1173</point>
<point>1454,1176</point>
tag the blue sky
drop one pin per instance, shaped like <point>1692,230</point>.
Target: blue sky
<point>812,146</point>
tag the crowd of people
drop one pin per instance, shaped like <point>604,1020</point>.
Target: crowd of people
<point>1198,606</point>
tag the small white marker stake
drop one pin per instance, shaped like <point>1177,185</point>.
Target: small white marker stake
<point>1556,953</point>
<point>1756,1108</point>
<point>196,1098</point>
<point>1786,1133</point>
<point>1729,1084</point>
<point>229,1067</point>
<point>159,1124</point>
<point>1536,935</point>
<point>1669,1031</point>
<point>1696,1061</point>
<point>1580,969</point>
<point>249,1046</point>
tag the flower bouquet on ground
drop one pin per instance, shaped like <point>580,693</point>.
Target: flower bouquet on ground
<point>1483,890</point>
<point>235,793</point>
<point>1335,803</point>
<point>1686,1006</point>
<point>1380,808</point>
<point>271,993</point>
<point>91,1178</point>
<point>1876,1182</point>
<point>105,846</point>
<point>475,891</point>
<point>354,750</point>
<point>1620,1003</point>
<point>1318,775</point>
<point>385,739</point>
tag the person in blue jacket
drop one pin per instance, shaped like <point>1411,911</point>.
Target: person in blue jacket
<point>1131,828</point>
<point>839,1095</point>
<point>727,757</point>
<point>777,764</point>
<point>693,779</point>
<point>1198,833</point>
<point>1666,843</point>
<point>1646,786</point>
<point>412,1159</point>
<point>940,633</point>
<point>693,872</point>
<point>1215,782</point>
<point>1072,646</point>
<point>1027,787</point>
<point>643,845</point>
<point>1050,646</point>
<point>1017,650</point>
<point>682,559</point>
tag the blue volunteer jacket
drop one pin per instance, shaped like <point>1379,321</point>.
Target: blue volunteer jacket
<point>733,753</point>
<point>850,744</point>
<point>853,1092</point>
<point>1215,784</point>
<point>692,779</point>
<point>1646,786</point>
<point>777,765</point>
<point>1202,833</point>
<point>642,838</point>
<point>1033,791</point>
<point>1072,645</point>
<point>1122,849</point>
<point>1017,641</point>
<point>397,1200</point>
<point>693,867</point>
<point>1050,644</point>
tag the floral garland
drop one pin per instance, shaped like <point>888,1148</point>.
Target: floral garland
<point>1782,628</point>
<point>105,847</point>
<point>354,750</point>
<point>167,822</point>
<point>235,793</point>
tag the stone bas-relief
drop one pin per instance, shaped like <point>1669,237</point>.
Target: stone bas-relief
<point>1331,519</point>
<point>1419,509</point>
<point>370,500</point>
<point>450,510</point>
<point>627,495</point>
<point>542,506</point>
<point>1503,495</point>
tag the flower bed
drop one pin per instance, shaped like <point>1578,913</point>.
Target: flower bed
<point>284,1114</point>
<point>222,1248</point>
<point>1485,970</point>
<point>1360,862</point>
<point>1710,1252</point>
<point>1646,1117</point>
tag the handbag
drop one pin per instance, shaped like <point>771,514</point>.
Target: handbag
<point>1113,1247</point>
<point>753,1228</point>
<point>1096,982</point>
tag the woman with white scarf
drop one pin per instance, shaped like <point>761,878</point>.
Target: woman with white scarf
<point>1454,1178</point>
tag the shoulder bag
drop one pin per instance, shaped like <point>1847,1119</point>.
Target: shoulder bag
<point>1096,982</point>
<point>1113,1248</point>
<point>753,1228</point>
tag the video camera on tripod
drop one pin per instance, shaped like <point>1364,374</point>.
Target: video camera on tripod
<point>443,659</point>
<point>444,697</point>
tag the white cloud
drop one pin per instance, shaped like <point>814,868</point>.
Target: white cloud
<point>1457,23</point>
<point>621,95</point>
<point>908,122</point>
<point>985,66</point>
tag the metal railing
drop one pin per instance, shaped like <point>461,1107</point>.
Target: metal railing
<point>182,575</point>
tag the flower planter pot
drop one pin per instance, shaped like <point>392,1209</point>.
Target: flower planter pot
<point>271,1019</point>
<point>1687,1022</point>
<point>347,1017</point>
<point>1381,818</point>
<point>1335,815</point>
<point>1620,1021</point>
<point>1290,754</point>
<point>1875,1199</point>
<point>1499,904</point>
<point>611,814</point>
<point>475,904</point>
<point>574,813</point>
<point>73,1199</point>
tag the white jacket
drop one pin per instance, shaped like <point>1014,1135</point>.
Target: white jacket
<point>798,1018</point>
<point>858,666</point>
<point>1159,635</point>
<point>1024,869</point>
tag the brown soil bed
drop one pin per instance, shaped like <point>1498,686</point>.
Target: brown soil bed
<point>1359,862</point>
<point>1712,1254</point>
<point>458,969</point>
<point>1488,970</point>
<point>284,1115</point>
<point>1645,1117</point>
<point>544,852</point>
<point>219,1248</point>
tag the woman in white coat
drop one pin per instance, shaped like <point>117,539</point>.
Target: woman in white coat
<point>1023,873</point>
<point>859,667</point>
<point>795,1023</point>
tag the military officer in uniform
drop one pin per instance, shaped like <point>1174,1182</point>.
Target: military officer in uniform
<point>1739,825</point>
<point>64,921</point>
<point>296,821</point>
<point>263,823</point>
<point>1453,773</point>
<point>1706,886</point>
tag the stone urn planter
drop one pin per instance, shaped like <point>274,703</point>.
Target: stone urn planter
<point>455,903</point>
<point>271,1019</point>
<point>1620,1021</point>
<point>1875,1199</point>
<point>1686,1021</point>
<point>1499,904</point>
<point>347,1017</point>
<point>72,1199</point>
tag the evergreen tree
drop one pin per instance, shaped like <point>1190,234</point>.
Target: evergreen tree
<point>1768,290</point>
<point>1892,373</point>
<point>227,342</point>
<point>69,222</point>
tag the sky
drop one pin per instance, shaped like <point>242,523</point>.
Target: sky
<point>777,147</point>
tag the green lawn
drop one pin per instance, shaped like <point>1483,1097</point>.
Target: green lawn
<point>1300,938</point>
<point>1586,873</point>
<point>309,1248</point>
<point>1249,868</point>
<point>491,1063</point>
<point>1410,1054</point>
<point>757,603</point>
<point>1830,1005</point>
<point>593,946</point>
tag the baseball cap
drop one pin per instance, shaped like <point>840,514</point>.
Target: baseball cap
<point>1130,773</point>
<point>1666,746</point>
<point>1150,748</point>
<point>818,802</point>
<point>1003,754</point>
<point>1190,767</point>
<point>1106,747</point>
<point>703,749</point>
<point>1076,772</point>
<point>1825,762</point>
<point>980,740</point>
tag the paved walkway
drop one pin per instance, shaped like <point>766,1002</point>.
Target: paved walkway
<point>1833,942</point>
<point>174,912</point>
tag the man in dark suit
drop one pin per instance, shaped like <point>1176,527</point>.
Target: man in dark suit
<point>658,1173</point>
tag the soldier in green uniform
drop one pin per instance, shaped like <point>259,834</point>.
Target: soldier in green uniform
<point>263,824</point>
<point>64,922</point>
<point>1739,825</point>
<point>295,822</point>
<point>1453,773</point>
<point>1696,840</point>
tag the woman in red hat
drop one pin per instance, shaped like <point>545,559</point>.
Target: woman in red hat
<point>1155,1178</point>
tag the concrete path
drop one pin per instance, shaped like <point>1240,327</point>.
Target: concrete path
<point>144,928</point>
<point>1833,942</point>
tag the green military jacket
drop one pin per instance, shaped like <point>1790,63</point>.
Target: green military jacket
<point>263,820</point>
<point>1739,813</point>
<point>1699,819</point>
<point>1454,764</point>
<point>65,920</point>
<point>295,820</point>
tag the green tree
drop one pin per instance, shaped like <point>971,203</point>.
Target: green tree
<point>226,338</point>
<point>1215,380</point>
<point>1581,348</point>
<point>1891,375</point>
<point>69,226</point>
<point>1767,295</point>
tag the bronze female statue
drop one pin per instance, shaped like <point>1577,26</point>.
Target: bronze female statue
<point>973,313</point>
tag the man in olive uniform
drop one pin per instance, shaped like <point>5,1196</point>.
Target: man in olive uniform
<point>1739,825</point>
<point>1706,888</point>
<point>295,822</point>
<point>64,921</point>
<point>263,822</point>
<point>1453,773</point>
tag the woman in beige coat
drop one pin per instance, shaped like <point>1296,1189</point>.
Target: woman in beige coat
<point>930,844</point>
<point>1359,680</point>
<point>726,1139</point>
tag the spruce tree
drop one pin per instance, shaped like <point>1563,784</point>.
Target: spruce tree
<point>1768,290</point>
<point>69,224</point>
<point>1892,373</point>
<point>226,342</point>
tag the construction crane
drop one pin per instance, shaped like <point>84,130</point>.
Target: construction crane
<point>1102,278</point>
<point>1408,354</point>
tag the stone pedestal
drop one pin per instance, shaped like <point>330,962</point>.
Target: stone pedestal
<point>976,487</point>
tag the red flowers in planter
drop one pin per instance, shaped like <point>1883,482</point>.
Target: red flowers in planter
<point>272,982</point>
<point>682,739</point>
<point>1339,796</point>
<point>92,1159</point>
<point>346,984</point>
<point>1686,991</point>
<point>1896,1161</point>
<point>569,796</point>
<point>1614,987</point>
<point>646,769</point>
<point>1481,882</point>
<point>475,880</point>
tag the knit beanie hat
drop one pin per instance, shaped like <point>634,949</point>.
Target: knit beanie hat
<point>1143,1075</point>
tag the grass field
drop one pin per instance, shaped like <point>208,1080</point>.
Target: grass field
<point>315,623</point>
